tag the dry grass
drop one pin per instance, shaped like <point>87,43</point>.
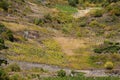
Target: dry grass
<point>69,44</point>
<point>61,51</point>
<point>76,50</point>
<point>31,51</point>
<point>19,27</point>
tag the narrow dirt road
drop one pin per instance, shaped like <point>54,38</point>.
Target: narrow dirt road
<point>53,68</point>
<point>29,65</point>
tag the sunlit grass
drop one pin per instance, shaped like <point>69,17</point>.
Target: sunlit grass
<point>50,54</point>
<point>66,8</point>
<point>19,27</point>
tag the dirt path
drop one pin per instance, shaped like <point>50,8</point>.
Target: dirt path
<point>53,68</point>
<point>29,65</point>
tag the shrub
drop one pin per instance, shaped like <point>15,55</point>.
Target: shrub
<point>48,17</point>
<point>64,18</point>
<point>109,65</point>
<point>97,13</point>
<point>38,21</point>
<point>4,4</point>
<point>95,24</point>
<point>9,35</point>
<point>83,24</point>
<point>1,41</point>
<point>78,34</point>
<point>97,50</point>
<point>15,67</point>
<point>73,2</point>
<point>17,77</point>
<point>61,73</point>
<point>3,61</point>
<point>2,45</point>
<point>3,75</point>
<point>5,33</point>
<point>113,9</point>
<point>108,47</point>
<point>2,28</point>
<point>65,30</point>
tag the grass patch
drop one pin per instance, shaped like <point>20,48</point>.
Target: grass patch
<point>66,8</point>
<point>19,27</point>
<point>51,53</point>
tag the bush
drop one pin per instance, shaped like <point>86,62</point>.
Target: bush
<point>2,45</point>
<point>73,2</point>
<point>38,21</point>
<point>15,67</point>
<point>83,24</point>
<point>2,28</point>
<point>109,65</point>
<point>48,17</point>
<point>3,75</point>
<point>4,4</point>
<point>65,30</point>
<point>5,33</point>
<point>113,9</point>
<point>8,35</point>
<point>96,24</point>
<point>17,77</point>
<point>97,50</point>
<point>61,73</point>
<point>78,34</point>
<point>108,47</point>
<point>1,41</point>
<point>97,13</point>
<point>3,61</point>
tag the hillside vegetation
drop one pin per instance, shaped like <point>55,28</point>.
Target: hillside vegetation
<point>75,34</point>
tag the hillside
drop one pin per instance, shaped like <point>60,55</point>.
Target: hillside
<point>69,34</point>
